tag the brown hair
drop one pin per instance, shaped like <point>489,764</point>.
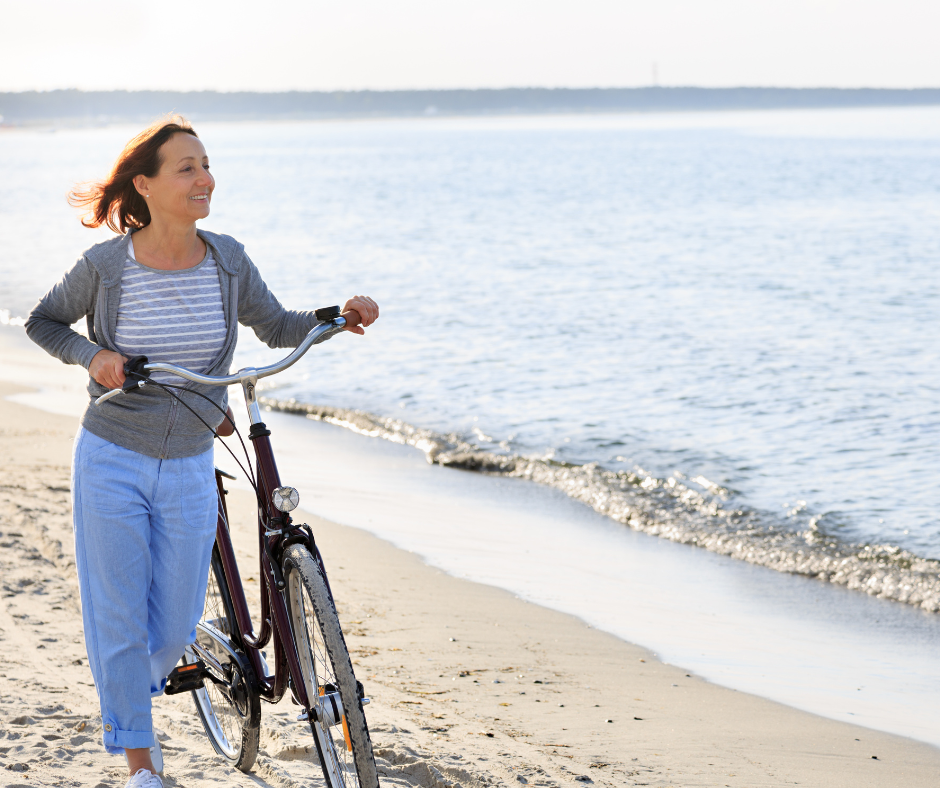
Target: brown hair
<point>116,201</point>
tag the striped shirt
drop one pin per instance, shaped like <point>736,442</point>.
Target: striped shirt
<point>171,316</point>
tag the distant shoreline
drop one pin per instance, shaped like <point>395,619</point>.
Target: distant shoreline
<point>76,107</point>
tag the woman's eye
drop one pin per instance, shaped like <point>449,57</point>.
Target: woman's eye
<point>205,167</point>
<point>187,169</point>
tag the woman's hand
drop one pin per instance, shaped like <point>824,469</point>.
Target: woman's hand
<point>366,310</point>
<point>107,367</point>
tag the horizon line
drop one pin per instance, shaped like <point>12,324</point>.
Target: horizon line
<point>466,89</point>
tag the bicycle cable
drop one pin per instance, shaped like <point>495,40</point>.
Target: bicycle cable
<point>250,476</point>
<point>218,408</point>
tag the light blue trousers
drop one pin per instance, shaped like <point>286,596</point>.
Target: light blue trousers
<point>144,530</point>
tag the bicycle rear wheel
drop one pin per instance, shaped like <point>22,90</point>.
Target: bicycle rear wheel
<point>230,712</point>
<point>340,729</point>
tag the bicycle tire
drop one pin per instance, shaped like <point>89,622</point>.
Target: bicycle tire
<point>231,721</point>
<point>344,747</point>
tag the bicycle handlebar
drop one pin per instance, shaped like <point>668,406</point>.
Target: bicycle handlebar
<point>319,333</point>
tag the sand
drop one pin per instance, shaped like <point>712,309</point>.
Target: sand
<point>470,685</point>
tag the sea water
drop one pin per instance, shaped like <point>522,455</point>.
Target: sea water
<point>716,328</point>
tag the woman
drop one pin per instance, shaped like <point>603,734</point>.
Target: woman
<point>143,488</point>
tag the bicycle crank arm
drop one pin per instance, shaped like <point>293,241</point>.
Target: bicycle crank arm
<point>219,674</point>
<point>209,659</point>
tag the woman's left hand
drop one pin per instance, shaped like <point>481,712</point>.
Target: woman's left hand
<point>366,309</point>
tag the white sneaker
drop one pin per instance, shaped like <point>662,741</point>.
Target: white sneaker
<point>144,779</point>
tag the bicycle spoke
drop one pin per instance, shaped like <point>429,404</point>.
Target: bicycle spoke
<point>214,613</point>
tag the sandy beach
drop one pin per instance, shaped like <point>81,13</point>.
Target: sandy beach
<point>470,685</point>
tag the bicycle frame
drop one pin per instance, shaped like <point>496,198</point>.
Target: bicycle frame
<point>276,532</point>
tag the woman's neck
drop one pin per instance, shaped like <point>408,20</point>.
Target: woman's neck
<point>169,248</point>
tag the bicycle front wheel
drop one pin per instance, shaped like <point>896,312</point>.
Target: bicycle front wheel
<point>340,730</point>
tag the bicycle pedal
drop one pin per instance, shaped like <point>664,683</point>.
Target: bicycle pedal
<point>186,678</point>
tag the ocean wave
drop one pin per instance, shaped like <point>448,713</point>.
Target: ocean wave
<point>671,508</point>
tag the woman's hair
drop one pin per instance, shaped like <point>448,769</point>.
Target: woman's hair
<point>116,201</point>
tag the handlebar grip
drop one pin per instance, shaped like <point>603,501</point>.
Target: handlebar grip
<point>135,366</point>
<point>352,317</point>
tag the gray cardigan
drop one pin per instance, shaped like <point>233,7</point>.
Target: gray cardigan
<point>150,421</point>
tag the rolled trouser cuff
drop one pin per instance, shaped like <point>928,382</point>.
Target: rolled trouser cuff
<point>116,741</point>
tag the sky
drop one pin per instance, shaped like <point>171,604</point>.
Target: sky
<point>412,44</point>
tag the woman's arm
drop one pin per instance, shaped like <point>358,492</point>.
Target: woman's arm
<point>72,298</point>
<point>258,309</point>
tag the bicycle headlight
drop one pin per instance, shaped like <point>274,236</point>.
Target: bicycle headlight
<point>286,499</point>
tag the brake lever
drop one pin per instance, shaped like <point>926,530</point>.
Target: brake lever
<point>109,395</point>
<point>129,385</point>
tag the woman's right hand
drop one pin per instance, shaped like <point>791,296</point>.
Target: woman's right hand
<point>366,312</point>
<point>107,368</point>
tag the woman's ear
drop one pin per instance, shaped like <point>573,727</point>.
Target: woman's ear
<point>140,183</point>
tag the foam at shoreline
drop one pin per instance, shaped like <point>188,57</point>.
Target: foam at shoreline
<point>671,508</point>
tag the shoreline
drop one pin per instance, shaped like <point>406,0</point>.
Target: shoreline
<point>810,645</point>
<point>692,512</point>
<point>438,715</point>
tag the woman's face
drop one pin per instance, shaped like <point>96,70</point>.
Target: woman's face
<point>182,189</point>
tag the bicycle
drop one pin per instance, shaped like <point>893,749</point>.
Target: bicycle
<point>225,669</point>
